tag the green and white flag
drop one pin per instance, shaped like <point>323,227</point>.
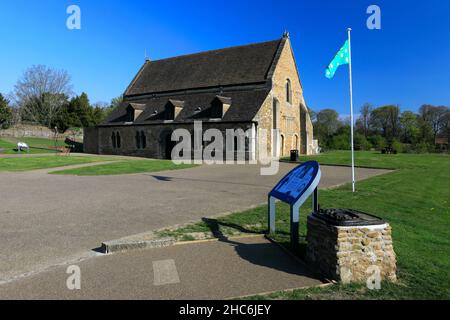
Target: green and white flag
<point>341,58</point>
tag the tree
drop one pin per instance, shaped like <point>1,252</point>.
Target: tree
<point>81,111</point>
<point>115,102</point>
<point>325,125</point>
<point>385,120</point>
<point>341,139</point>
<point>409,127</point>
<point>364,119</point>
<point>41,92</point>
<point>6,113</point>
<point>100,111</point>
<point>329,120</point>
<point>436,117</point>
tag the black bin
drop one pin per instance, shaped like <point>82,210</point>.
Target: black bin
<point>294,155</point>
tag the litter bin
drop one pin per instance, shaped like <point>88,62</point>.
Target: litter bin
<point>294,155</point>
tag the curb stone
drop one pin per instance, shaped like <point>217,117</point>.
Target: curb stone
<point>128,245</point>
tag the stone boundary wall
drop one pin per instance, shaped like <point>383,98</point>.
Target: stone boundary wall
<point>350,254</point>
<point>34,131</point>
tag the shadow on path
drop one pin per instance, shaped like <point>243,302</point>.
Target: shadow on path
<point>168,179</point>
<point>264,254</point>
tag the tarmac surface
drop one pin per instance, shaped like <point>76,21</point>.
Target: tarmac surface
<point>207,270</point>
<point>47,220</point>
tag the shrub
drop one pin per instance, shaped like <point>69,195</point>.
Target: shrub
<point>340,142</point>
<point>361,143</point>
<point>378,142</point>
<point>424,147</point>
<point>408,148</point>
<point>397,146</point>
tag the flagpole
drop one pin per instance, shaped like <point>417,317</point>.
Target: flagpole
<point>351,106</point>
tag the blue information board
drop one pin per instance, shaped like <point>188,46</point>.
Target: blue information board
<point>296,182</point>
<point>294,189</point>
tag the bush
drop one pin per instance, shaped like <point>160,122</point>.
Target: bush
<point>340,142</point>
<point>361,143</point>
<point>424,147</point>
<point>408,148</point>
<point>378,142</point>
<point>397,146</point>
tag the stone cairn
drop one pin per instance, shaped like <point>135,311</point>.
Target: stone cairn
<point>351,253</point>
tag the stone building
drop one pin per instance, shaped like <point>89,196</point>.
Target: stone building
<point>251,87</point>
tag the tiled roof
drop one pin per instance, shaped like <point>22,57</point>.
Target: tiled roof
<point>224,67</point>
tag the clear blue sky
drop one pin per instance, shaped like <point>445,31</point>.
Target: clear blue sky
<point>406,63</point>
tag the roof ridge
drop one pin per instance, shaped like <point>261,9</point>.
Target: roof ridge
<point>213,50</point>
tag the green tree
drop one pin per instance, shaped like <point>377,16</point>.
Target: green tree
<point>64,120</point>
<point>325,126</point>
<point>436,117</point>
<point>409,127</point>
<point>364,119</point>
<point>361,142</point>
<point>377,141</point>
<point>385,120</point>
<point>5,113</point>
<point>115,102</point>
<point>100,111</point>
<point>80,108</point>
<point>329,121</point>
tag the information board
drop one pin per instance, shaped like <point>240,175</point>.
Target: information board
<point>296,182</point>
<point>294,189</point>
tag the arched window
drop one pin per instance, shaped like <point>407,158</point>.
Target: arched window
<point>288,91</point>
<point>275,113</point>
<point>113,140</point>
<point>138,140</point>
<point>118,142</point>
<point>143,140</point>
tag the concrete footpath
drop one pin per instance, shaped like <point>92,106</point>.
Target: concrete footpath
<point>223,269</point>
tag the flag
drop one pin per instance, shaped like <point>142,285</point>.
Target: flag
<point>341,58</point>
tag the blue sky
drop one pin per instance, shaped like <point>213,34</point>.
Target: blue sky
<point>407,62</point>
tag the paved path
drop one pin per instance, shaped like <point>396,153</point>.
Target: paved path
<point>74,166</point>
<point>51,219</point>
<point>210,270</point>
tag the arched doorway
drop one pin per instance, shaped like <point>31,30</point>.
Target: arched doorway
<point>282,146</point>
<point>167,145</point>
<point>295,141</point>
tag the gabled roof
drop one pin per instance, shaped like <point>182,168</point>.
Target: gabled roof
<point>240,65</point>
<point>137,106</point>
<point>176,103</point>
<point>226,100</point>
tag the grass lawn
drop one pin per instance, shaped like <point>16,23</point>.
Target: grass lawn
<point>43,162</point>
<point>37,145</point>
<point>124,167</point>
<point>415,200</point>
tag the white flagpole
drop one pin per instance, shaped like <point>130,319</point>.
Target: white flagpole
<point>351,106</point>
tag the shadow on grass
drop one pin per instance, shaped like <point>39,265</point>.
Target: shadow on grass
<point>214,226</point>
<point>36,148</point>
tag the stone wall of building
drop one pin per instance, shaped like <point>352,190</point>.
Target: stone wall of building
<point>350,254</point>
<point>288,113</point>
<point>91,140</point>
<point>157,137</point>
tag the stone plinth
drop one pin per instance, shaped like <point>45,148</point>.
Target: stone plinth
<point>350,254</point>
